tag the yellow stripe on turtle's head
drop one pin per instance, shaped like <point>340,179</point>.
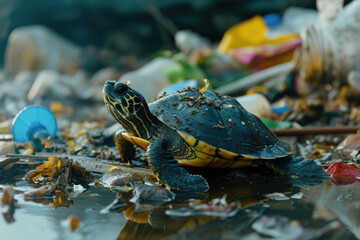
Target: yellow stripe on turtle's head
<point>129,108</point>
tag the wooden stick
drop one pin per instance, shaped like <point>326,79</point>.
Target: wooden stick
<point>91,164</point>
<point>316,130</point>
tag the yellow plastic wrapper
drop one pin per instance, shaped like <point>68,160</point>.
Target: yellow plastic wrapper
<point>249,33</point>
<point>249,40</point>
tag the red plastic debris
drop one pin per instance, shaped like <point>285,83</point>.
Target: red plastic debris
<point>343,174</point>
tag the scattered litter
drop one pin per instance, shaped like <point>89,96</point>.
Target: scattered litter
<point>351,142</point>
<point>278,227</point>
<point>151,193</point>
<point>8,204</point>
<point>298,195</point>
<point>117,204</point>
<point>343,174</point>
<point>277,196</point>
<point>218,207</point>
<point>120,180</point>
<point>256,104</point>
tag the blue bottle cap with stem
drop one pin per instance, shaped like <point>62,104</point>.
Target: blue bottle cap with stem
<point>31,121</point>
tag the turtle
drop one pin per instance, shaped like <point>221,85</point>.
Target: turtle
<point>198,129</point>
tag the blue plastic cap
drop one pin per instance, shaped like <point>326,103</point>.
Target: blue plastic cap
<point>280,109</point>
<point>272,19</point>
<point>179,86</point>
<point>31,120</point>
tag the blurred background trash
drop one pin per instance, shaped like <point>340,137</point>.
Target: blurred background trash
<point>184,70</point>
<point>329,48</point>
<point>247,42</point>
<point>97,81</point>
<point>150,78</point>
<point>188,41</point>
<point>192,83</point>
<point>256,104</point>
<point>354,75</point>
<point>50,83</point>
<point>292,21</point>
<point>35,47</point>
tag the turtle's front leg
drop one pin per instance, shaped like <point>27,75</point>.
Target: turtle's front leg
<point>170,172</point>
<point>125,148</point>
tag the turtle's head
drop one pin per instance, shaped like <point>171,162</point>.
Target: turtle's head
<point>129,108</point>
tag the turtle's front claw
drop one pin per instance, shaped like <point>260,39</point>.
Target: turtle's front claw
<point>129,164</point>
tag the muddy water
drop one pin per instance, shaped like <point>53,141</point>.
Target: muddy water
<point>321,211</point>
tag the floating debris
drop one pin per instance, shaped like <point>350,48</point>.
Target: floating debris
<point>74,223</point>
<point>218,207</point>
<point>8,204</point>
<point>117,204</point>
<point>151,193</point>
<point>277,196</point>
<point>278,227</point>
<point>298,195</point>
<point>122,180</point>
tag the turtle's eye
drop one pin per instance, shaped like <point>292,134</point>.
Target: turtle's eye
<point>121,88</point>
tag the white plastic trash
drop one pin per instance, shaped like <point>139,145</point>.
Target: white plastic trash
<point>256,104</point>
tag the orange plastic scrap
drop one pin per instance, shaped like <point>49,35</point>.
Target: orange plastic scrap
<point>74,223</point>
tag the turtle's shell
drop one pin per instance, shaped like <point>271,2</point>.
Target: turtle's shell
<point>219,121</point>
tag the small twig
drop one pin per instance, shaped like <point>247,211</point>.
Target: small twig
<point>316,130</point>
